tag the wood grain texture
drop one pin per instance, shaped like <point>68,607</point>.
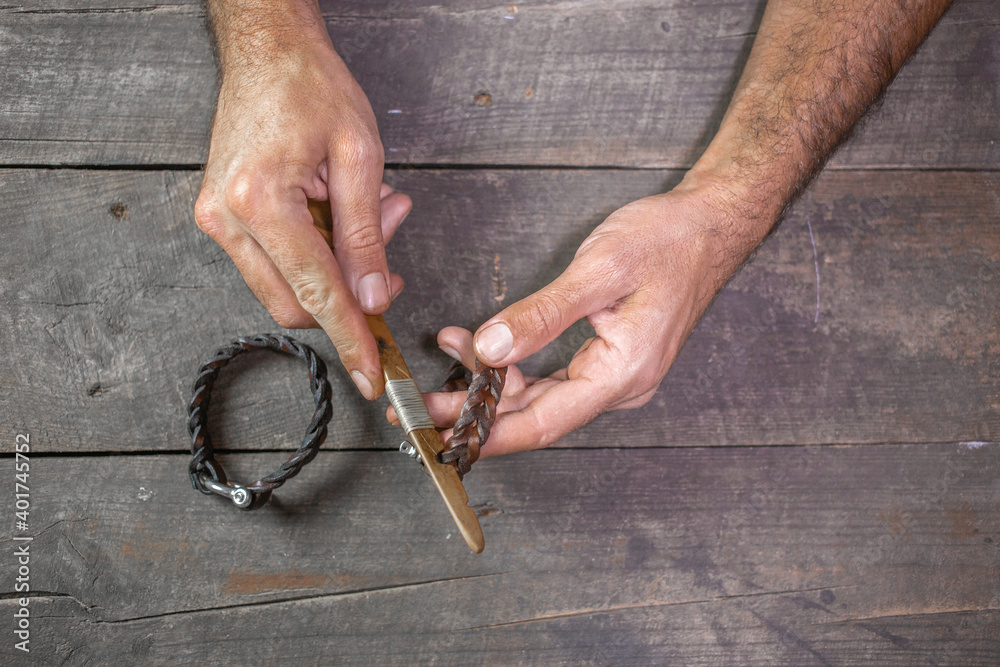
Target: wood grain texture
<point>752,556</point>
<point>620,82</point>
<point>111,297</point>
<point>126,83</point>
<point>869,319</point>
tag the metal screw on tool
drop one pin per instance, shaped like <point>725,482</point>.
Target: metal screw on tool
<point>408,449</point>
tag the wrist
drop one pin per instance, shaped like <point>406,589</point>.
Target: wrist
<point>259,35</point>
<point>748,202</point>
<point>733,219</point>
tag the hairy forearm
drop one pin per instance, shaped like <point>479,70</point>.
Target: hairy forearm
<point>815,68</point>
<point>247,33</point>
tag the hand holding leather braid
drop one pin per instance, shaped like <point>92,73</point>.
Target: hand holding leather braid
<point>478,413</point>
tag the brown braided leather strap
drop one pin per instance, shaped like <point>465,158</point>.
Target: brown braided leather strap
<point>478,413</point>
<point>206,473</point>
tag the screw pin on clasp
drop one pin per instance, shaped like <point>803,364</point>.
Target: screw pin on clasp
<point>407,448</point>
<point>238,493</point>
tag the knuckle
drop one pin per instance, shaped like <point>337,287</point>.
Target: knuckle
<point>359,149</point>
<point>650,383</point>
<point>288,318</point>
<point>285,311</point>
<point>634,389</point>
<point>208,214</point>
<point>631,208</point>
<point>546,439</point>
<point>242,196</point>
<point>637,401</point>
<point>351,350</point>
<point>314,297</point>
<point>544,435</point>
<point>542,314</point>
<point>364,239</point>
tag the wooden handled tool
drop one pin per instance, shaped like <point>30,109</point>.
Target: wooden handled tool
<point>413,416</point>
<point>409,404</point>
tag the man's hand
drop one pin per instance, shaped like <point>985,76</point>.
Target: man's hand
<point>642,279</point>
<point>645,276</point>
<point>292,125</point>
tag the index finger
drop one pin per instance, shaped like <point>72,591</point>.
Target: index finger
<point>561,409</point>
<point>286,232</point>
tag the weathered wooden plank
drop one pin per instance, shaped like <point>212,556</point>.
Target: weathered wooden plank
<point>101,86</point>
<point>622,82</point>
<point>106,318</point>
<point>753,556</point>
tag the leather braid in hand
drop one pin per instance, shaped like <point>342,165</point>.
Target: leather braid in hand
<point>478,413</point>
<point>207,475</point>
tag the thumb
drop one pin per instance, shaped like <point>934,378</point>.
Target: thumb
<point>532,323</point>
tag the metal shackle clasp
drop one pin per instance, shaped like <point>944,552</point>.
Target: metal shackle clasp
<point>241,496</point>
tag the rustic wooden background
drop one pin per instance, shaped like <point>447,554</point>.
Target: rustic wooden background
<point>816,482</point>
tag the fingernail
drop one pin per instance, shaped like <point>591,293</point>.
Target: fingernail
<point>362,383</point>
<point>494,343</point>
<point>373,292</point>
<point>451,352</point>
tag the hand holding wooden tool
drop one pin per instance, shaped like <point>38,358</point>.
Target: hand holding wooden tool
<point>409,404</point>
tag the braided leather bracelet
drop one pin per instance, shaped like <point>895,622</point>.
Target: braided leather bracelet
<point>207,475</point>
